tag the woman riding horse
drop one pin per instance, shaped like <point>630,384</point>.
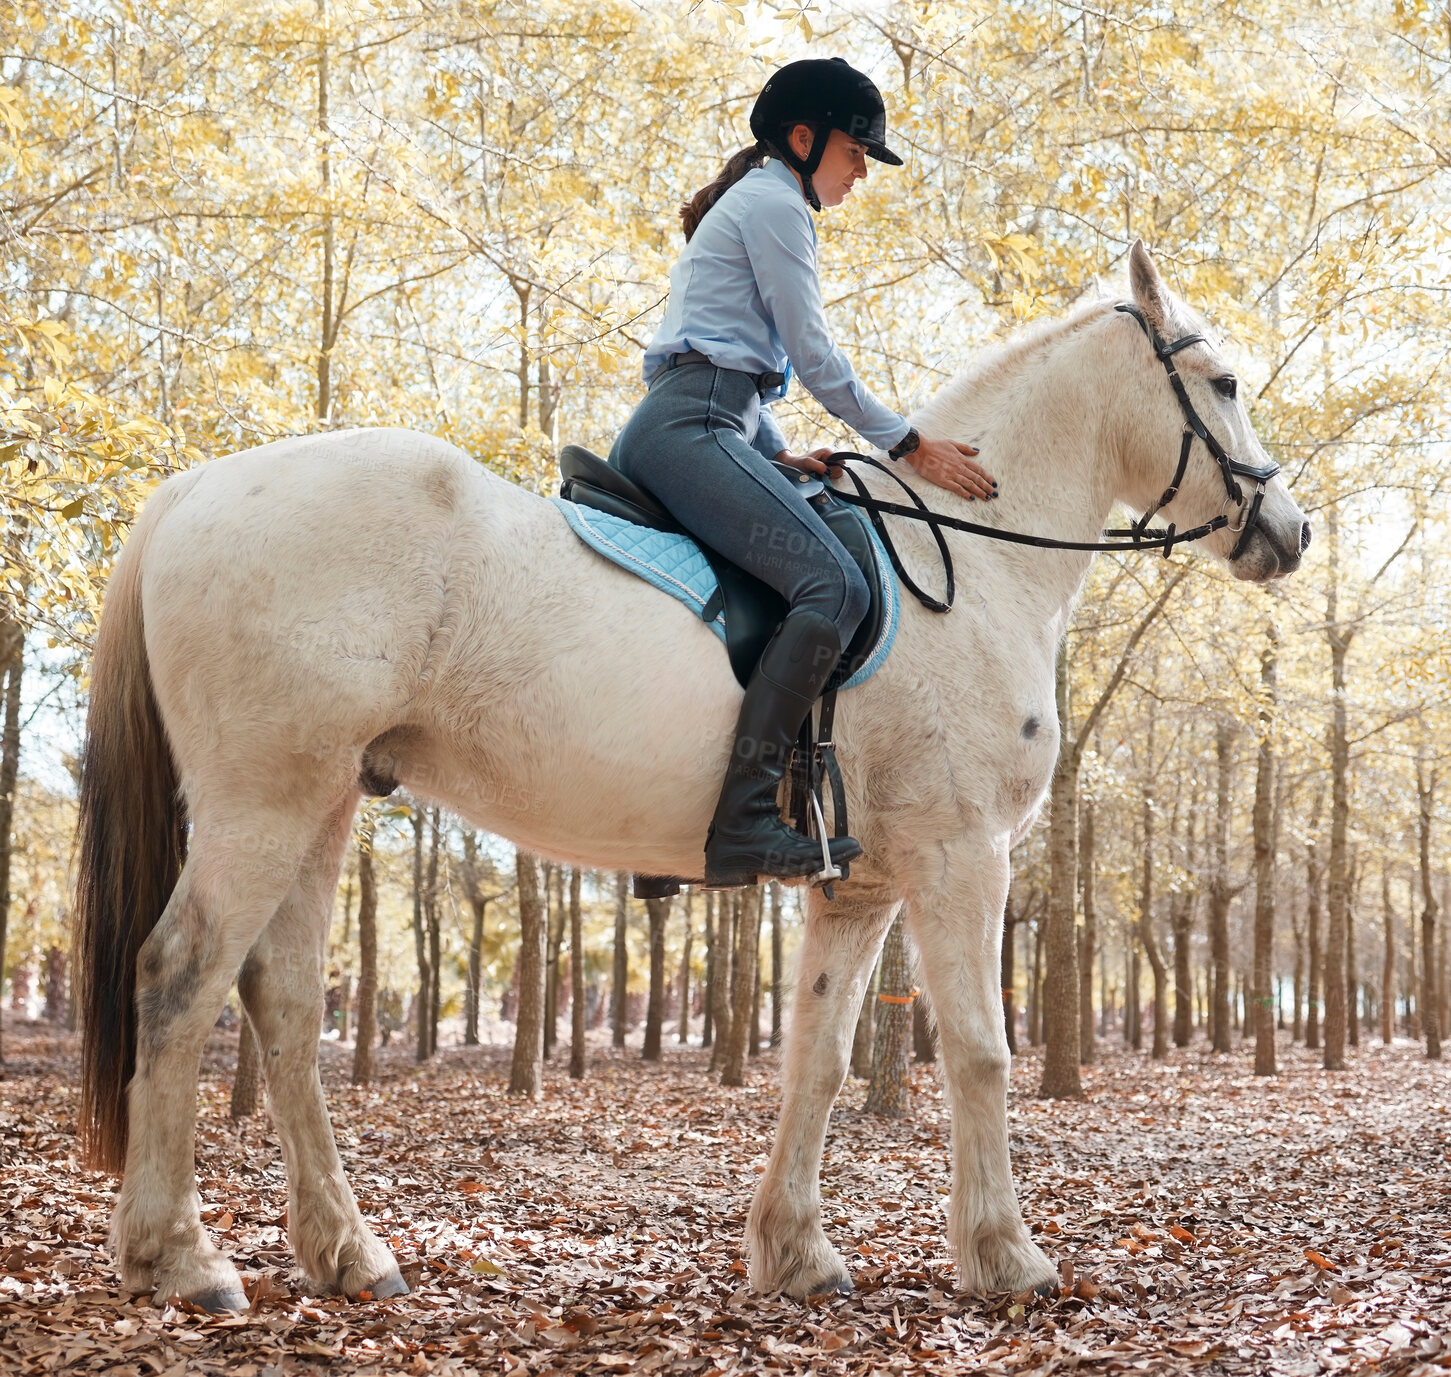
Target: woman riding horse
<point>744,313</point>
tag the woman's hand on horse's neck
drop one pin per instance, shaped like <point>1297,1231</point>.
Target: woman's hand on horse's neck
<point>949,465</point>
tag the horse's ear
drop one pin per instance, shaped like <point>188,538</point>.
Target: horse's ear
<point>1148,288</point>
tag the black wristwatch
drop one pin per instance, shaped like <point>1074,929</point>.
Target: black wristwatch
<point>906,445</point>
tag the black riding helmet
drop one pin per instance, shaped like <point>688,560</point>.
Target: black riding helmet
<point>826,93</point>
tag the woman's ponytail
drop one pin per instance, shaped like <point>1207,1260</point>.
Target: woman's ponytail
<point>736,167</point>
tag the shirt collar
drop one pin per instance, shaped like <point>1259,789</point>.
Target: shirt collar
<point>781,172</point>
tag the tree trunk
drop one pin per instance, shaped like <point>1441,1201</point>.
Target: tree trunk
<point>330,316</point>
<point>1060,983</point>
<point>890,1093</point>
<point>1264,853</point>
<point>1388,965</point>
<point>1352,975</point>
<point>1220,891</point>
<point>366,1042</point>
<point>924,1029</point>
<point>1314,877</point>
<point>1181,924</point>
<point>619,991</point>
<point>12,669</point>
<point>435,942</point>
<point>1035,988</point>
<point>1134,1012</point>
<point>1088,944</point>
<point>753,1047</point>
<point>684,1035</point>
<point>576,978</point>
<point>345,1010</point>
<point>1338,743</point>
<point>1297,928</point>
<point>747,957</point>
<point>479,903</point>
<point>249,1072</point>
<point>1147,939</point>
<point>861,1043</point>
<point>723,980</point>
<point>420,941</point>
<point>527,1071</point>
<point>1007,973</point>
<point>554,920</point>
<point>707,1011</point>
<point>778,971</point>
<point>1426,779</point>
<point>658,911</point>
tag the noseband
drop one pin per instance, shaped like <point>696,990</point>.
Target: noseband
<point>1229,467</point>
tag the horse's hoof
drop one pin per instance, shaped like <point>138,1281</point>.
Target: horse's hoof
<point>221,1300</point>
<point>389,1285</point>
<point>840,1287</point>
<point>1049,1290</point>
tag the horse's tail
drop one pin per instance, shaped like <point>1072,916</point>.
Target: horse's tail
<point>132,842</point>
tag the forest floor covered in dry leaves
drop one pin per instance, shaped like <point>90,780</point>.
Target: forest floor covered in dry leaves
<point>1204,1222</point>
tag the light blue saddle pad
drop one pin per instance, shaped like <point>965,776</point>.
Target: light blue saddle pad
<point>675,565</point>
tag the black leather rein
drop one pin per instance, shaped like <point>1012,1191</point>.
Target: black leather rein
<point>1139,536</point>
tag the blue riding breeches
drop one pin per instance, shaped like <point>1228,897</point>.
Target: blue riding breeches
<point>690,444</point>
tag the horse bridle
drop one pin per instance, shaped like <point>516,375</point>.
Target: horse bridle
<point>1229,467</point>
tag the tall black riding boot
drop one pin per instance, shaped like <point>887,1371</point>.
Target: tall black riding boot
<point>748,840</point>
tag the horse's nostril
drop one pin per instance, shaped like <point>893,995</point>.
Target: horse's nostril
<point>1304,537</point>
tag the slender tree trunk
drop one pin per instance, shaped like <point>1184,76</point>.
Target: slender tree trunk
<point>1352,974</point>
<point>435,943</point>
<point>1147,939</point>
<point>1314,878</point>
<point>328,333</point>
<point>366,1041</point>
<point>619,991</point>
<point>1264,851</point>
<point>753,1047</point>
<point>707,1011</point>
<point>1088,944</point>
<point>658,911</point>
<point>747,957</point>
<point>890,1092</point>
<point>723,979</point>
<point>924,1029</point>
<point>12,670</point>
<point>1007,973</point>
<point>1297,928</point>
<point>249,1072</point>
<point>576,978</point>
<point>778,971</point>
<point>346,976</point>
<point>526,1074</point>
<point>1388,965</point>
<point>684,1034</point>
<point>1220,891</point>
<point>1060,984</point>
<point>554,920</point>
<point>1426,779</point>
<point>420,941</point>
<point>1337,731</point>
<point>861,1044</point>
<point>1134,1017</point>
<point>1035,988</point>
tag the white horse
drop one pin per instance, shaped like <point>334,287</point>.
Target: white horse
<point>299,624</point>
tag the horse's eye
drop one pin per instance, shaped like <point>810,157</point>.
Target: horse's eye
<point>1226,385</point>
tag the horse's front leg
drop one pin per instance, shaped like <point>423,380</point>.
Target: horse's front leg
<point>787,1246</point>
<point>957,926</point>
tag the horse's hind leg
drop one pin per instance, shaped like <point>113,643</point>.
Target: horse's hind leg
<point>282,988</point>
<point>235,875</point>
<point>957,926</point>
<point>788,1248</point>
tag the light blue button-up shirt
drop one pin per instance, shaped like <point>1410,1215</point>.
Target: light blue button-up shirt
<point>746,295</point>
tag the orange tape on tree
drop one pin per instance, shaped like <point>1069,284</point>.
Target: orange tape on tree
<point>899,999</point>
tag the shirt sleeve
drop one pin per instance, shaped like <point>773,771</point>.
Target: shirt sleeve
<point>769,439</point>
<point>782,249</point>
